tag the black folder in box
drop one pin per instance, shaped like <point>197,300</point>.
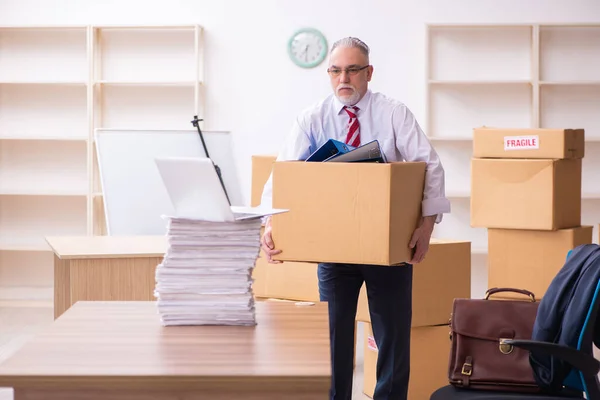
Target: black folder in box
<point>369,152</point>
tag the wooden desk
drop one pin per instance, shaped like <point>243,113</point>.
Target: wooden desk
<point>104,268</point>
<point>119,351</point>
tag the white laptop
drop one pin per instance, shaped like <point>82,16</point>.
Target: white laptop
<point>196,191</point>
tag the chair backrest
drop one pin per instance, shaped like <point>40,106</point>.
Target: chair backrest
<point>591,322</point>
<point>575,378</point>
<point>589,313</point>
<point>587,337</point>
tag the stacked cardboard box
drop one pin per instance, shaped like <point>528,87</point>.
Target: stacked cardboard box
<point>444,274</point>
<point>526,190</point>
<point>362,213</point>
<point>292,281</point>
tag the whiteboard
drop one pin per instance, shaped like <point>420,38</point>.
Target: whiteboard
<point>134,195</point>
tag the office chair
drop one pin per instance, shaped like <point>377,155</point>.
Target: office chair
<point>583,378</point>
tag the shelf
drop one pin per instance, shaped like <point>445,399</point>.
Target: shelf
<point>570,53</point>
<point>142,107</point>
<point>46,167</point>
<point>456,226</point>
<point>467,53</point>
<point>148,83</point>
<point>590,180</point>
<point>17,190</point>
<point>458,194</point>
<point>32,110</point>
<point>57,84</point>
<point>96,184</point>
<point>454,109</point>
<point>479,82</point>
<point>590,215</point>
<point>45,83</point>
<point>27,294</point>
<point>512,82</point>
<point>14,243</point>
<point>27,220</point>
<point>99,222</point>
<point>154,28</point>
<point>46,54</point>
<point>456,159</point>
<point>465,138</point>
<point>479,25</point>
<point>571,106</point>
<point>569,83</point>
<point>479,250</point>
<point>19,269</point>
<point>449,138</point>
<point>32,136</point>
<point>158,54</point>
<point>517,76</point>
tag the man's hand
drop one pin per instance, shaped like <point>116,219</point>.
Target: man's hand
<point>420,239</point>
<point>267,243</point>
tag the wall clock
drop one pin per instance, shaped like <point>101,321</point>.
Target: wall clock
<point>307,47</point>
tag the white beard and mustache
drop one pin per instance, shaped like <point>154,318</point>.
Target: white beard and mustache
<point>347,100</point>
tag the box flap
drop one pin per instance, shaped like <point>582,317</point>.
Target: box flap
<point>511,171</point>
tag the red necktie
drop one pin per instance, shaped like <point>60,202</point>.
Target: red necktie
<point>353,136</point>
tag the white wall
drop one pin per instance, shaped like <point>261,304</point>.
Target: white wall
<point>254,90</point>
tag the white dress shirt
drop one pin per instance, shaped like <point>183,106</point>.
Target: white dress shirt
<point>381,118</point>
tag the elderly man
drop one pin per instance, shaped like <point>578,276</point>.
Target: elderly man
<point>355,115</point>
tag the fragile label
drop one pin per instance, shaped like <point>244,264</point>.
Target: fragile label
<point>522,142</point>
<point>371,343</point>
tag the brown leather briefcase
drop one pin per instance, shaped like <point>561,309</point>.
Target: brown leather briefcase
<point>478,359</point>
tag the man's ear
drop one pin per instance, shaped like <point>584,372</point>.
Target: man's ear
<point>369,73</point>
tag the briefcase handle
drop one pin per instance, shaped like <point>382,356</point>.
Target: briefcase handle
<point>492,291</point>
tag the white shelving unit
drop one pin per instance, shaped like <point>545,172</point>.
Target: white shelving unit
<point>57,84</point>
<point>513,76</point>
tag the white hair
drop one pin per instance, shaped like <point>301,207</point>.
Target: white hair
<point>352,42</point>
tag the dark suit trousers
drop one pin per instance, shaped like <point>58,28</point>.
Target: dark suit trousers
<point>389,291</point>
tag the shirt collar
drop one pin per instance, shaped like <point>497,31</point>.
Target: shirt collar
<point>362,104</point>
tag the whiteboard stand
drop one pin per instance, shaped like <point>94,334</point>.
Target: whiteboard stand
<point>196,123</point>
<point>135,198</point>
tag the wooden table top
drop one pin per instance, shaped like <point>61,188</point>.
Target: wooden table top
<point>121,345</point>
<point>82,247</point>
<point>78,247</point>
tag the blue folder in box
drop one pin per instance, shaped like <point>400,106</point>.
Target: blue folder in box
<point>368,152</point>
<point>331,148</point>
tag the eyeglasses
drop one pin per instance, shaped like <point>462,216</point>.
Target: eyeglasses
<point>349,71</point>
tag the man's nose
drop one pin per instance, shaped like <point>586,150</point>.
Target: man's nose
<point>344,76</point>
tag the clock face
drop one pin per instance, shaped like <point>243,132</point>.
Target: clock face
<point>307,48</point>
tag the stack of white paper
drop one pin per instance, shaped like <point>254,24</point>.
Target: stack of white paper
<point>205,277</point>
